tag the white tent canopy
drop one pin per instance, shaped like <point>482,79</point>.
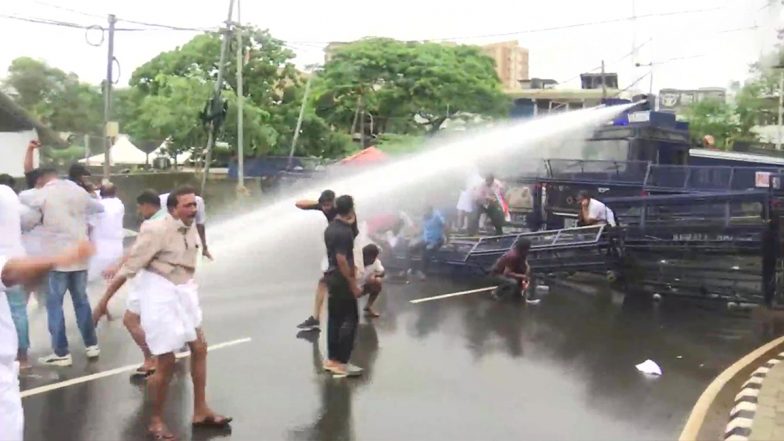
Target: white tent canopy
<point>123,152</point>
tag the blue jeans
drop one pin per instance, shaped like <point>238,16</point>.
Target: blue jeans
<point>76,283</point>
<point>17,300</point>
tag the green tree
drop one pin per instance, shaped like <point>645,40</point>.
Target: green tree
<point>408,85</point>
<point>715,118</point>
<point>172,113</point>
<point>58,99</point>
<point>272,94</point>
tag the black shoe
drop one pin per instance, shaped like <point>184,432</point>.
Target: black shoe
<point>309,336</point>
<point>311,324</point>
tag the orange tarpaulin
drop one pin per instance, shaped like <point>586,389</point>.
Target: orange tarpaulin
<point>365,156</point>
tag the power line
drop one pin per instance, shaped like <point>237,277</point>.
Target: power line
<point>73,25</point>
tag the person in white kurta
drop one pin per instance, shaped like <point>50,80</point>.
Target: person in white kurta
<point>20,271</point>
<point>106,233</point>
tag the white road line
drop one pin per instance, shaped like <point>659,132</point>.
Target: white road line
<point>115,371</point>
<point>454,294</point>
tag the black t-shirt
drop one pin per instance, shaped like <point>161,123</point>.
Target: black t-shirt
<point>339,239</point>
<point>330,215</point>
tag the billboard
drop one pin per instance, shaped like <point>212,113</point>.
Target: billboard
<point>675,100</point>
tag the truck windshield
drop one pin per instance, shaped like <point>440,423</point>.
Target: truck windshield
<point>606,149</point>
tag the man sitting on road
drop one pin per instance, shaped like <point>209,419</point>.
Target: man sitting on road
<point>593,212</point>
<point>511,271</point>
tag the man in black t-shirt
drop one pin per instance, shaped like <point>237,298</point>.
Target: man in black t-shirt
<point>326,205</point>
<point>343,290</point>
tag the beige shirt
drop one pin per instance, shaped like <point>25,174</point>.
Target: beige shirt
<point>166,247</point>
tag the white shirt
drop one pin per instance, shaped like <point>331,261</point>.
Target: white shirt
<point>201,211</point>
<point>108,226</point>
<point>597,210</point>
<point>11,211</point>
<point>32,230</point>
<point>374,269</point>
<point>8,340</point>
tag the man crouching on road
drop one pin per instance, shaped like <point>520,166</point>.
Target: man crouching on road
<point>163,259</point>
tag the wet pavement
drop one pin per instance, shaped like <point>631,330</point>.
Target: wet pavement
<point>463,368</point>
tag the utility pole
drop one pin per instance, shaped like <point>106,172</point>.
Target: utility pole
<point>107,101</point>
<point>781,107</point>
<point>240,100</point>
<point>362,124</point>
<point>87,149</point>
<point>215,102</point>
<point>604,86</point>
<point>299,120</point>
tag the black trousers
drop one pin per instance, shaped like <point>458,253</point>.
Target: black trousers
<point>507,286</point>
<point>342,319</point>
<point>493,211</point>
<point>426,252</point>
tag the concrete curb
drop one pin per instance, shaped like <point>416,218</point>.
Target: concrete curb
<point>695,425</point>
<point>745,409</point>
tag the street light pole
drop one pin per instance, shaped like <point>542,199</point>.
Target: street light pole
<point>295,138</point>
<point>240,103</point>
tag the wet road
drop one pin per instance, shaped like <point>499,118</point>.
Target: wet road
<point>463,368</point>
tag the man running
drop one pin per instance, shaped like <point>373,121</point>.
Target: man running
<point>149,208</point>
<point>343,290</point>
<point>326,205</point>
<point>22,271</point>
<point>163,259</point>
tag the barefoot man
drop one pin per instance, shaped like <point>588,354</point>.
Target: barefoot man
<point>22,271</point>
<point>163,259</point>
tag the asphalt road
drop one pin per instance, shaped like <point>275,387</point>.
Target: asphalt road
<point>463,368</point>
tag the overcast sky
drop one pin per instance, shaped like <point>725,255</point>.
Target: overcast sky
<point>716,44</point>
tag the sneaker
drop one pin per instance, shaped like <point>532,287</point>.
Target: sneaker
<point>311,324</point>
<point>421,276</point>
<point>353,371</point>
<point>92,352</point>
<point>56,360</point>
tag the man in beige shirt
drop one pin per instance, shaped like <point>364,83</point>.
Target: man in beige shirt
<point>163,259</point>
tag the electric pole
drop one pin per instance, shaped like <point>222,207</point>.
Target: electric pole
<point>781,107</point>
<point>107,101</point>
<point>215,102</point>
<point>240,100</point>
<point>299,121</point>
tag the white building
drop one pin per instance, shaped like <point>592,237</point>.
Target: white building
<point>17,128</point>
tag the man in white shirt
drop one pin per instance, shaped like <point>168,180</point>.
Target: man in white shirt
<point>12,216</point>
<point>21,271</point>
<point>64,206</point>
<point>593,212</point>
<point>201,219</point>
<point>106,233</point>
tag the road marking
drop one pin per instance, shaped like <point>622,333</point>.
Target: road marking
<point>454,294</point>
<point>115,371</point>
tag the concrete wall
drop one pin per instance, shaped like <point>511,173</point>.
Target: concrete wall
<point>13,146</point>
<point>220,196</point>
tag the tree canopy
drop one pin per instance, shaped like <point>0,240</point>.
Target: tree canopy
<point>407,86</point>
<point>57,98</point>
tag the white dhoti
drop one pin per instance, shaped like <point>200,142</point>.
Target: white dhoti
<point>107,253</point>
<point>11,413</point>
<point>465,202</point>
<point>132,301</point>
<point>170,314</point>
